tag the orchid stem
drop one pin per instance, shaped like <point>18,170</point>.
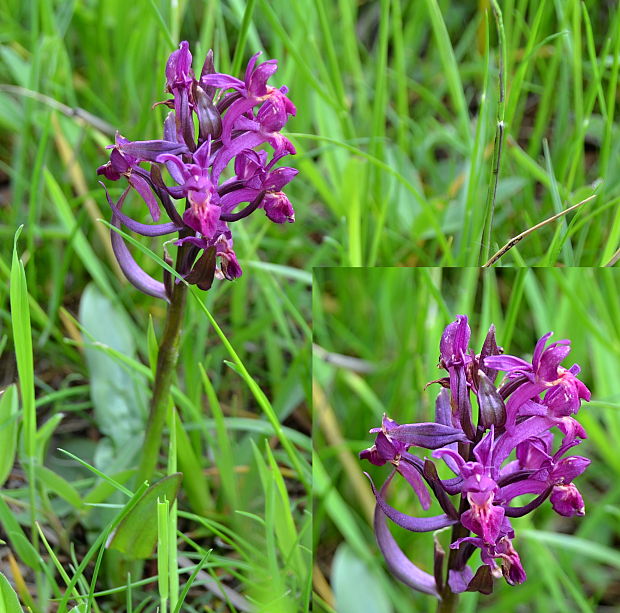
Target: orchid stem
<point>448,602</point>
<point>164,373</point>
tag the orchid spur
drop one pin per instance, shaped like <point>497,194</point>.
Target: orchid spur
<point>530,413</point>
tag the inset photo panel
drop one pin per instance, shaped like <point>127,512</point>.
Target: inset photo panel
<point>466,427</point>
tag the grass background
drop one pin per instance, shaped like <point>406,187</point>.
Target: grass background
<point>377,345</point>
<point>396,120</point>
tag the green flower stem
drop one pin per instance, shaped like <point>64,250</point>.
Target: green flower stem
<point>166,366</point>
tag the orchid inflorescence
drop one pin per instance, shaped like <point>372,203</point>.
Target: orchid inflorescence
<point>233,117</point>
<point>533,403</point>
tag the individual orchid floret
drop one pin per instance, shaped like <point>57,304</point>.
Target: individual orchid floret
<point>544,374</point>
<point>516,447</point>
<point>231,124</point>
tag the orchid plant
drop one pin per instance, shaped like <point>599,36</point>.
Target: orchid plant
<point>532,405</point>
<point>216,122</point>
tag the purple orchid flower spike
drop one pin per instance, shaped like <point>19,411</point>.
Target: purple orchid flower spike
<point>231,124</point>
<point>529,414</point>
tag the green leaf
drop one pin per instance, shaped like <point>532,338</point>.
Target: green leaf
<point>116,394</point>
<point>20,320</point>
<point>58,486</point>
<point>152,346</point>
<point>196,485</point>
<point>136,535</point>
<point>44,434</point>
<point>355,587</point>
<point>8,431</point>
<point>9,603</point>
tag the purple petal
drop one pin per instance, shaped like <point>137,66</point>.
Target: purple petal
<point>144,189</point>
<point>443,410</point>
<point>550,360</point>
<point>539,349</point>
<point>222,81</point>
<point>149,150</point>
<point>229,201</point>
<point>135,275</point>
<point>484,521</point>
<point>397,562</point>
<point>416,482</point>
<point>528,508</point>
<point>170,127</point>
<point>202,215</point>
<point>176,167</point>
<point>229,266</point>
<point>234,112</point>
<point>385,448</point>
<point>139,228</point>
<point>520,488</point>
<point>511,563</point>
<point>568,469</point>
<point>455,339</point>
<point>533,426</point>
<point>227,153</point>
<point>428,435</point>
<point>250,67</point>
<point>507,363</point>
<point>457,462</point>
<point>483,451</point>
<point>458,580</point>
<point>414,524</point>
<point>535,451</point>
<point>257,84</point>
<point>518,398</point>
<point>278,178</point>
<point>565,398</point>
<point>567,501</point>
<point>179,65</point>
<point>278,207</point>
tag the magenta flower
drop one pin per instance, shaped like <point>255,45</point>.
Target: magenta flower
<point>529,414</point>
<point>231,124</point>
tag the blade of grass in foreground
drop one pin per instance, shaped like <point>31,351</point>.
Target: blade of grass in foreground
<point>22,336</point>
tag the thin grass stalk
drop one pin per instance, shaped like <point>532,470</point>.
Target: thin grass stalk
<point>22,335</point>
<point>499,138</point>
<point>172,562</point>
<point>163,577</point>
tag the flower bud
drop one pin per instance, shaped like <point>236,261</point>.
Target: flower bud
<point>490,403</point>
